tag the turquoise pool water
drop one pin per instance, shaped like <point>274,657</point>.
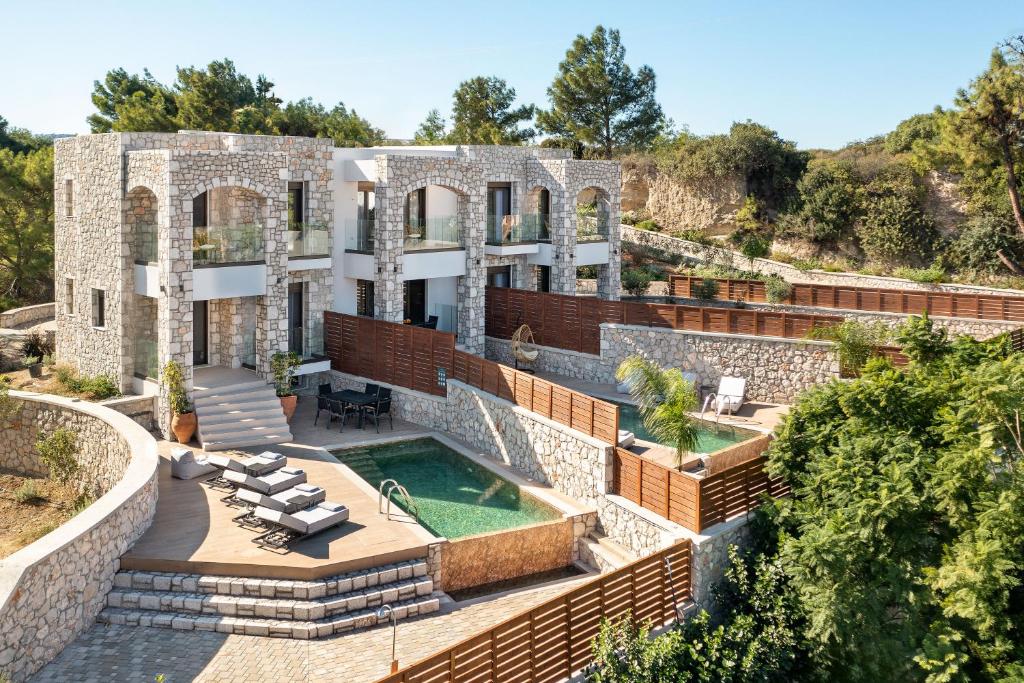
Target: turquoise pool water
<point>455,496</point>
<point>712,437</point>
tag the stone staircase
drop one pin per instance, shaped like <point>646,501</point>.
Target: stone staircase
<point>602,553</point>
<point>270,607</point>
<point>240,415</point>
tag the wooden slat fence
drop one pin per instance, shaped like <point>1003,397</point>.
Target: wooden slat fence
<point>552,641</point>
<point>410,357</point>
<point>573,323</point>
<point>909,301</point>
<point>691,502</point>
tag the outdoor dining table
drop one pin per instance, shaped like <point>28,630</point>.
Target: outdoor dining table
<point>356,398</point>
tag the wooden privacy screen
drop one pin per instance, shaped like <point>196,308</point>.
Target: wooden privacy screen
<point>916,301</point>
<point>583,413</point>
<point>691,502</point>
<point>553,640</point>
<point>410,357</point>
<point>574,323</point>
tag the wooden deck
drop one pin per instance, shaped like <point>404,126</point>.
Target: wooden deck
<point>193,532</point>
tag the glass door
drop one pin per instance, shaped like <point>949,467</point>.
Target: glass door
<point>200,333</point>
<point>295,318</point>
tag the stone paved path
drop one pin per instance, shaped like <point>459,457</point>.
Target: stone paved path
<point>105,654</point>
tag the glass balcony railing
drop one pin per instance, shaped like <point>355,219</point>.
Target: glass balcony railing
<point>145,243</point>
<point>305,239</point>
<point>359,235</point>
<point>315,340</point>
<point>441,232</point>
<point>249,349</point>
<point>591,229</point>
<point>146,364</point>
<point>216,245</point>
<point>517,229</point>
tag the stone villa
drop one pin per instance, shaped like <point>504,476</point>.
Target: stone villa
<point>218,250</point>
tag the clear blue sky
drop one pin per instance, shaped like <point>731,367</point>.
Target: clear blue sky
<point>821,73</point>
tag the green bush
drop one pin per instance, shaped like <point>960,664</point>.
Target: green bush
<point>58,452</point>
<point>920,341</point>
<point>636,280</point>
<point>805,264</point>
<point>974,249</point>
<point>755,246</point>
<point>93,388</point>
<point>648,224</point>
<point>855,342</point>
<point>37,346</point>
<point>27,493</point>
<point>776,289</point>
<point>705,290</point>
<point>694,235</point>
<point>931,274</point>
<point>895,229</point>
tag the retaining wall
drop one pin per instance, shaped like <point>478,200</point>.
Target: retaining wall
<point>52,590</point>
<point>26,316</point>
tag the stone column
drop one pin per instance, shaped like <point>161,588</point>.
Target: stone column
<point>471,286</point>
<point>563,241</point>
<point>388,241</point>
<point>272,308</point>
<point>609,280</point>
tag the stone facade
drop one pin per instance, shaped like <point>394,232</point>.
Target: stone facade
<point>52,590</point>
<point>795,364</point>
<point>710,558</point>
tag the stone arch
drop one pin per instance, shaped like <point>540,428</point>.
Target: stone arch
<point>437,229</point>
<point>141,221</point>
<point>238,214</point>
<point>593,213</point>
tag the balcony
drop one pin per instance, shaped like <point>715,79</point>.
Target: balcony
<point>308,240</point>
<point>433,234</point>
<point>505,230</point>
<point>591,229</point>
<point>145,243</point>
<point>359,235</point>
<point>226,245</point>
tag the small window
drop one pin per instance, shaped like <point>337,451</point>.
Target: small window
<point>364,298</point>
<point>296,204</point>
<point>99,318</point>
<point>69,296</point>
<point>69,197</point>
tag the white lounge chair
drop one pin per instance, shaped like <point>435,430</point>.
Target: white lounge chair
<point>184,465</point>
<point>269,484</point>
<point>286,529</point>
<point>292,500</point>
<point>729,397</point>
<point>255,465</point>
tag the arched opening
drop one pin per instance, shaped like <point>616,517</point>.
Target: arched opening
<point>227,226</point>
<point>593,215</point>
<point>537,213</point>
<point>431,219</point>
<point>141,222</point>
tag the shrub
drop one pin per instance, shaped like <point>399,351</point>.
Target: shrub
<point>895,228</point>
<point>58,451</point>
<point>633,217</point>
<point>586,272</point>
<point>635,281</point>
<point>777,290</point>
<point>173,379</point>
<point>921,342</point>
<point>648,224</point>
<point>755,246</point>
<point>706,289</point>
<point>931,274</point>
<point>974,249</point>
<point>805,264</point>
<point>693,235</point>
<point>282,365</point>
<point>37,346</point>
<point>27,493</point>
<point>93,388</point>
<point>855,342</point>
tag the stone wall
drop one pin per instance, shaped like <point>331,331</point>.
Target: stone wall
<point>52,590</point>
<point>710,558</point>
<point>792,365</point>
<point>26,316</point>
<point>709,205</point>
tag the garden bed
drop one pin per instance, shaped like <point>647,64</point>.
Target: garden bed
<point>27,519</point>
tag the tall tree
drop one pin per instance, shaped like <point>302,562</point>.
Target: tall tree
<point>989,122</point>
<point>26,226</point>
<point>140,99</point>
<point>208,98</point>
<point>431,131</point>
<point>482,114</point>
<point>597,100</point>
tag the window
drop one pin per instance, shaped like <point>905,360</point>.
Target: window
<point>69,197</point>
<point>364,298</point>
<point>69,296</point>
<point>199,211</point>
<point>99,308</point>
<point>296,205</point>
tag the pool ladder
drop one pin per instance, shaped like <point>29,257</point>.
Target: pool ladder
<point>402,491</point>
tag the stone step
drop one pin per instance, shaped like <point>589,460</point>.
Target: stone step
<point>270,608</point>
<point>603,553</point>
<point>243,402</point>
<point>229,389</point>
<point>231,444</point>
<point>236,415</point>
<point>281,589</point>
<point>244,428</point>
<point>278,628</point>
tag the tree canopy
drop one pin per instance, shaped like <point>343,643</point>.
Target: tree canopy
<point>220,98</point>
<point>598,102</point>
<point>482,114</point>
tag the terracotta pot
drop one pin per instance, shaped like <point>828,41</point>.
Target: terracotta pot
<point>183,426</point>
<point>288,404</point>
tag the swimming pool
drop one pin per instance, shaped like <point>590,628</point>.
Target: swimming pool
<point>455,496</point>
<point>711,437</point>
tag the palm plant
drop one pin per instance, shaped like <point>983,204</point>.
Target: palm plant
<point>664,399</point>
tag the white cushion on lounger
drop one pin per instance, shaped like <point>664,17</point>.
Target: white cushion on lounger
<point>185,466</point>
<point>221,462</point>
<point>275,482</point>
<point>321,517</point>
<point>260,465</point>
<point>626,438</point>
<point>256,498</point>
<point>297,497</point>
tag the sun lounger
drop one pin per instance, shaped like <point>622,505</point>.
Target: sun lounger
<point>287,529</point>
<point>729,397</point>
<point>292,500</point>
<point>269,484</point>
<point>255,465</point>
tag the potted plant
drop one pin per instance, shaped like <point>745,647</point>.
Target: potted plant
<point>183,418</point>
<point>282,365</point>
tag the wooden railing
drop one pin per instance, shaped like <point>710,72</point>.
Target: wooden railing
<point>908,301</point>
<point>695,503</point>
<point>574,323</point>
<point>552,641</point>
<point>413,357</point>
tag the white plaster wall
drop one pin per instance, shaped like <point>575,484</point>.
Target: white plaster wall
<point>442,291</point>
<point>229,282</point>
<point>424,265</point>
<point>441,202</point>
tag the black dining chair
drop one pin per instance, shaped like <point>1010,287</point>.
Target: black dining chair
<point>325,389</point>
<point>322,403</point>
<point>371,389</point>
<point>380,409</point>
<point>347,409</point>
<point>431,323</point>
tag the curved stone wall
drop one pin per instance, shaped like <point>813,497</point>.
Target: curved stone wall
<point>26,316</point>
<point>52,590</point>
